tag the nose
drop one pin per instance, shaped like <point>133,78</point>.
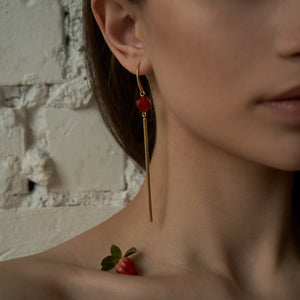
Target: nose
<point>288,24</point>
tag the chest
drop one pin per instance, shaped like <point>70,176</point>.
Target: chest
<point>206,287</point>
<point>90,285</point>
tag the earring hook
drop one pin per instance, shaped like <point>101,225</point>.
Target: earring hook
<point>142,92</point>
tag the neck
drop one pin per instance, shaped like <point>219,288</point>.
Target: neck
<point>214,210</point>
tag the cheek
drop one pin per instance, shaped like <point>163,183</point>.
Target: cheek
<point>194,64</point>
<point>202,55</point>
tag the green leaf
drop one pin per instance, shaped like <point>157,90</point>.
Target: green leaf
<point>130,251</point>
<point>108,263</point>
<point>115,251</point>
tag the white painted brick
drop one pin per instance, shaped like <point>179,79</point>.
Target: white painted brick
<point>12,150</point>
<point>37,166</point>
<point>85,156</point>
<point>89,172</point>
<point>12,140</point>
<point>31,35</point>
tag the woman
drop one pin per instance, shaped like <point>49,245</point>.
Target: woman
<point>225,147</point>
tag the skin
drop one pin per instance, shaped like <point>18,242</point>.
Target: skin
<point>222,169</point>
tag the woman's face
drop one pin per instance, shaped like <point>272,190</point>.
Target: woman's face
<point>213,60</point>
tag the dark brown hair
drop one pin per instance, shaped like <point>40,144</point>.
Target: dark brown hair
<point>115,91</point>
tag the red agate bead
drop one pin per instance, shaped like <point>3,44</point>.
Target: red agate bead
<point>143,104</point>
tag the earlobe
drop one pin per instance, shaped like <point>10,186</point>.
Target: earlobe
<point>117,22</point>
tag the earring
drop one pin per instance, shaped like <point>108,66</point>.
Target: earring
<point>144,105</point>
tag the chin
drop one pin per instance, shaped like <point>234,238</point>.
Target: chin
<point>288,166</point>
<point>285,158</point>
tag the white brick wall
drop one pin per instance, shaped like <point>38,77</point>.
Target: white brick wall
<point>55,152</point>
<point>34,26</point>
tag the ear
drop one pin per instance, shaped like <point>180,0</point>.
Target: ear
<point>118,22</point>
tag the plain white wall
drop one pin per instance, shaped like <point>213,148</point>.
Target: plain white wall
<point>60,170</point>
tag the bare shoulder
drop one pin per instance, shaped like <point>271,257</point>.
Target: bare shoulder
<point>48,275</point>
<point>37,278</point>
<point>68,271</point>
<point>34,278</point>
<point>29,278</point>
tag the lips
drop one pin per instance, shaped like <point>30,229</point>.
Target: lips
<point>286,104</point>
<point>292,94</point>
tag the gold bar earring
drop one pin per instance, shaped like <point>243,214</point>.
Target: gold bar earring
<point>144,105</point>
